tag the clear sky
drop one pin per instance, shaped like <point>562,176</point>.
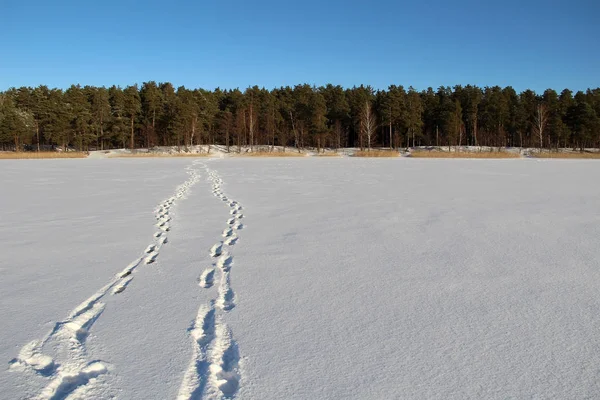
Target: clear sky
<point>525,44</point>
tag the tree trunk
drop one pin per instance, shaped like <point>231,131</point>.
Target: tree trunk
<point>193,132</point>
<point>475,129</point>
<point>251,128</point>
<point>521,138</point>
<point>295,131</point>
<point>210,137</point>
<point>227,137</point>
<point>100,135</point>
<point>338,129</point>
<point>37,133</point>
<point>132,134</point>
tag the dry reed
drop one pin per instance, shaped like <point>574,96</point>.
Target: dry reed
<point>376,153</point>
<point>156,155</point>
<point>574,155</point>
<point>27,155</point>
<point>271,154</point>
<point>464,154</point>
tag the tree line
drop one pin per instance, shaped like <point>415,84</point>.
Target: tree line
<point>88,117</point>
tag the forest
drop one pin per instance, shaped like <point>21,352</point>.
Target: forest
<point>158,114</point>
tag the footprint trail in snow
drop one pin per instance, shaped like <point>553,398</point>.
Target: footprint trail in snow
<point>70,370</point>
<point>214,371</point>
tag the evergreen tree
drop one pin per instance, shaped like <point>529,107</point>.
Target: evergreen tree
<point>151,99</point>
<point>15,123</point>
<point>58,128</point>
<point>132,107</point>
<point>301,116</point>
<point>100,113</point>
<point>338,112</point>
<point>79,115</point>
<point>393,111</point>
<point>118,122</point>
<point>414,115</point>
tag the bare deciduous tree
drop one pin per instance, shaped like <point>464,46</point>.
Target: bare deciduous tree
<point>539,123</point>
<point>367,122</point>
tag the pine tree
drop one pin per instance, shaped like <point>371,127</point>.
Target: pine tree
<point>414,115</point>
<point>15,123</point>
<point>151,99</point>
<point>338,112</point>
<point>79,115</point>
<point>393,111</point>
<point>100,113</point>
<point>58,127</point>
<point>132,107</point>
<point>118,122</point>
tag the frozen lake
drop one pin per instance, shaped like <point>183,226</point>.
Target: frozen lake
<point>337,278</point>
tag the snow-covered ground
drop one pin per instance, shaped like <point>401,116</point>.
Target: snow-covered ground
<point>221,151</point>
<point>337,278</point>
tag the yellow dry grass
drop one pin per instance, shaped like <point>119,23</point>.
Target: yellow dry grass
<point>292,153</point>
<point>376,153</point>
<point>156,155</point>
<point>573,155</point>
<point>328,154</point>
<point>461,154</point>
<point>40,155</point>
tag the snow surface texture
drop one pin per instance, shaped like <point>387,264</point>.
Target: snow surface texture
<point>355,278</point>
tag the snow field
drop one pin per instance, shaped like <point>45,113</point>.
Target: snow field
<point>356,278</point>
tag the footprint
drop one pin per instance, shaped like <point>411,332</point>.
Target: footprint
<point>226,296</point>
<point>227,232</point>
<point>122,285</point>
<point>207,278</point>
<point>231,221</point>
<point>216,250</point>
<point>68,382</point>
<point>204,325</point>
<point>31,356</point>
<point>224,262</point>
<point>151,258</point>
<point>231,240</point>
<point>224,357</point>
<point>81,324</point>
<point>150,249</point>
<point>128,269</point>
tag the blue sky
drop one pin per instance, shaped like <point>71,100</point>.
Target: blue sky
<point>525,44</point>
